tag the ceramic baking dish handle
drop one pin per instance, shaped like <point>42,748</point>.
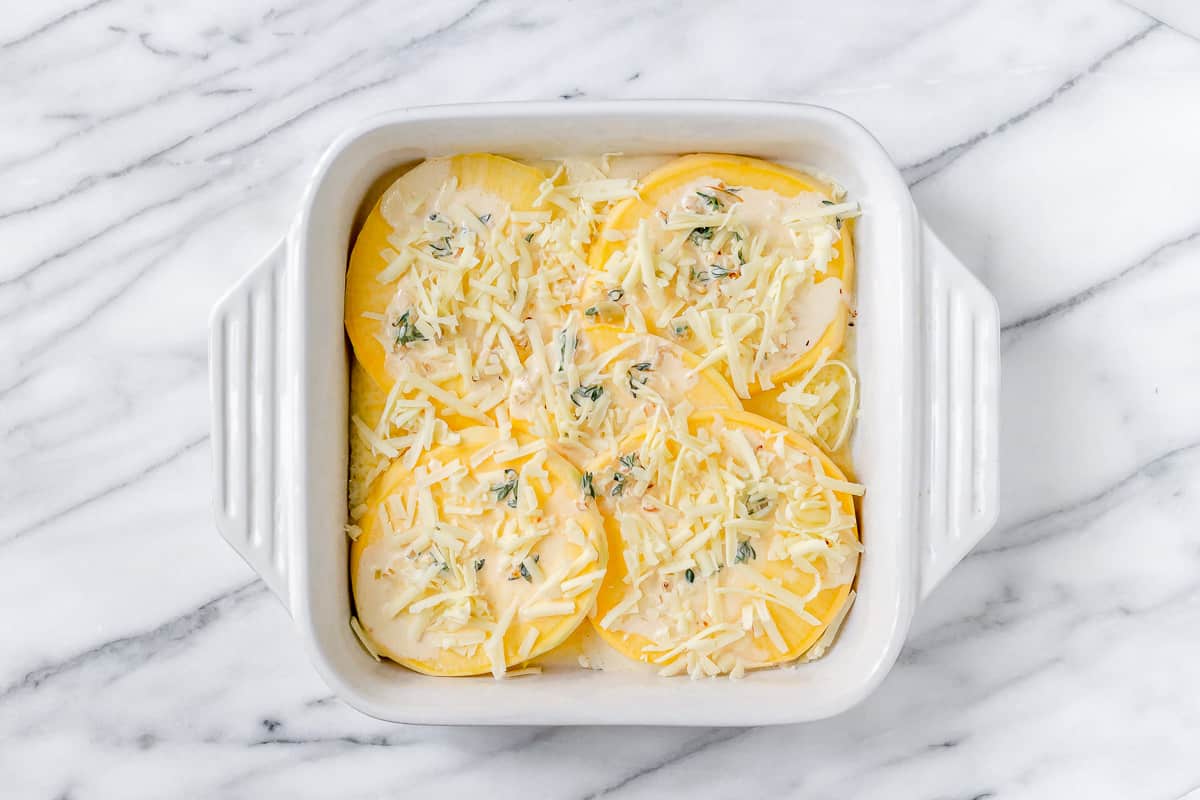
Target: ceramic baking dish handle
<point>962,350</point>
<point>247,354</point>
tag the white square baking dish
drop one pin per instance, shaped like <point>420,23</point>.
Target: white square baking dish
<point>925,446</point>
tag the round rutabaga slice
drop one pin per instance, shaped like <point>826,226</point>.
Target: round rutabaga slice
<point>733,545</point>
<point>485,556</point>
<point>821,404</point>
<point>385,427</point>
<point>439,280</point>
<point>746,263</point>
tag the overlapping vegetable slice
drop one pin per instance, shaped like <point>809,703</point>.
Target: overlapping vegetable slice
<point>733,544</point>
<point>744,262</point>
<point>484,556</point>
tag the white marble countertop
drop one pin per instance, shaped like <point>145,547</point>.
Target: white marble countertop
<point>150,153</point>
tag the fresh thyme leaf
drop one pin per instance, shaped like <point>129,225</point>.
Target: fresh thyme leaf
<point>737,236</point>
<point>680,328</point>
<point>827,202</point>
<point>485,219</point>
<point>710,200</point>
<point>745,552</point>
<point>690,574</point>
<point>435,556</point>
<point>630,460</point>
<point>717,271</point>
<point>616,294</point>
<point>407,331</point>
<point>441,247</point>
<point>507,491</point>
<point>618,488</point>
<point>479,563</point>
<point>585,483</point>
<point>591,311</point>
<point>637,381</point>
<point>529,237</point>
<point>523,571</point>
<point>565,344</point>
<point>699,235</point>
<point>592,393</point>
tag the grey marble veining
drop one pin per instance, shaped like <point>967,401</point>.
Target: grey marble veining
<point>150,152</point>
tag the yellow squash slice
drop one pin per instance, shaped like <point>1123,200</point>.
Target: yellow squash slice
<point>440,246</point>
<point>383,428</point>
<point>821,404</point>
<point>744,262</point>
<point>366,462</point>
<point>483,557</point>
<point>733,545</point>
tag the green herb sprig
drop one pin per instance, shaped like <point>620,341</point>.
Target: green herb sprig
<point>566,348</point>
<point>586,392</point>
<point>711,201</point>
<point>507,491</point>
<point>745,552</point>
<point>407,331</point>
<point>523,571</point>
<point>637,377</point>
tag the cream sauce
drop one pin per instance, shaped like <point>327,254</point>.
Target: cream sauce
<point>760,211</point>
<point>809,314</point>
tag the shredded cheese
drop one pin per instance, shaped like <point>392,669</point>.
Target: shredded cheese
<point>492,302</point>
